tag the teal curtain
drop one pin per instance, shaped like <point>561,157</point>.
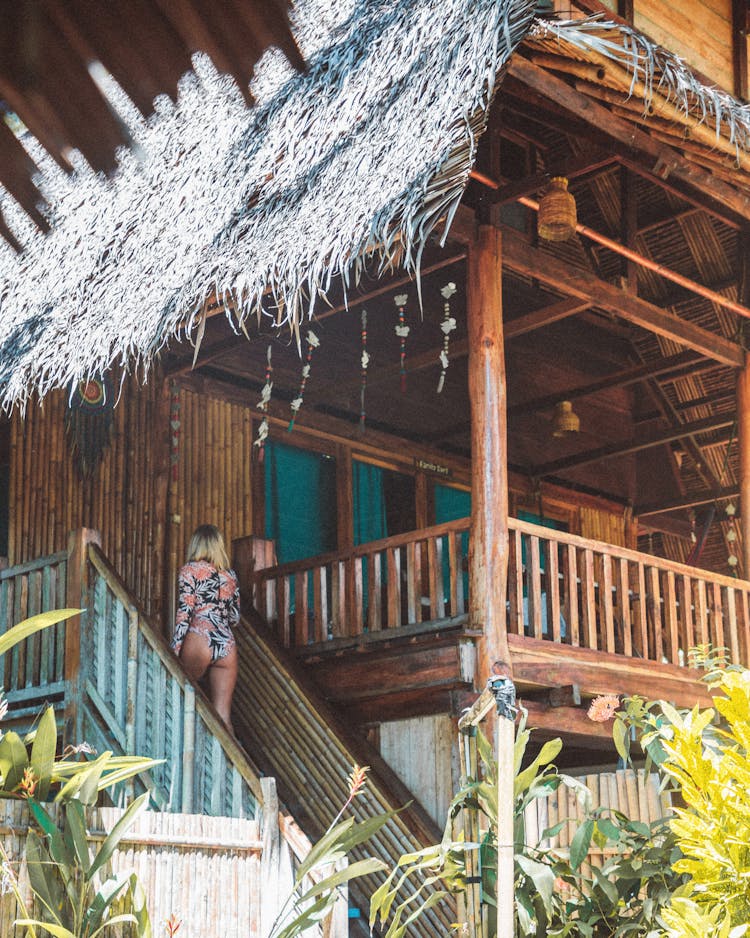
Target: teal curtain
<point>450,505</point>
<point>300,501</point>
<point>370,523</point>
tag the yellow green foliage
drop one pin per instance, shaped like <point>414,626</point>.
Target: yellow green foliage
<point>710,761</point>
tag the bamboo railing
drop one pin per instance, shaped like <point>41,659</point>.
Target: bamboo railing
<point>134,694</point>
<point>34,670</point>
<point>561,587</point>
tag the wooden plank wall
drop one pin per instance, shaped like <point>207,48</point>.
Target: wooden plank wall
<point>422,753</point>
<point>699,31</point>
<point>124,499</point>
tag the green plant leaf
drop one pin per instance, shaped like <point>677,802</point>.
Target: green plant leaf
<point>75,833</point>
<point>43,752</point>
<point>108,892</point>
<point>353,871</point>
<point>43,877</point>
<point>56,930</point>
<point>621,739</point>
<point>309,917</point>
<point>579,845</point>
<point>116,834</point>
<point>13,760</point>
<point>115,920</point>
<point>28,627</point>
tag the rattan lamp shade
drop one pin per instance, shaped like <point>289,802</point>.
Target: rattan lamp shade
<point>566,421</point>
<point>557,212</point>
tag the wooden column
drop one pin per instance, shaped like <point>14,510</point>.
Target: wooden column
<point>488,540</point>
<point>743,434</point>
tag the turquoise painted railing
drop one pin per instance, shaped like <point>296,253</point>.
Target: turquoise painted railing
<point>133,695</point>
<point>34,672</point>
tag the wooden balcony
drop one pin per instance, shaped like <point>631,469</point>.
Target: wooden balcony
<point>384,627</point>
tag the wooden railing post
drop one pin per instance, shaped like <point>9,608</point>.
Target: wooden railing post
<point>249,556</point>
<point>76,596</point>
<point>188,749</point>
<point>271,889</point>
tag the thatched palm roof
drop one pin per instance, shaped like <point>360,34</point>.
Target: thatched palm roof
<point>367,150</point>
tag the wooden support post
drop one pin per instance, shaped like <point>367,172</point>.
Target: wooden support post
<point>488,542</point>
<point>271,890</point>
<point>76,597</point>
<point>743,434</point>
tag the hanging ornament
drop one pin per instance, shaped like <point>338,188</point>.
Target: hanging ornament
<point>88,421</point>
<point>732,560</point>
<point>446,326</point>
<point>312,343</point>
<point>365,361</point>
<point>730,509</point>
<point>265,397</point>
<point>174,432</point>
<point>402,331</point>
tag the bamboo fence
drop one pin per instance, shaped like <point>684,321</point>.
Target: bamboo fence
<point>636,794</point>
<point>207,871</point>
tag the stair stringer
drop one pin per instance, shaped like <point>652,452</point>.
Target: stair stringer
<point>294,735</point>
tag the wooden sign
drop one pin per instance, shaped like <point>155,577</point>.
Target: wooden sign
<point>445,471</point>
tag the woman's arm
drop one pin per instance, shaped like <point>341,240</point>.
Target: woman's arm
<point>185,606</point>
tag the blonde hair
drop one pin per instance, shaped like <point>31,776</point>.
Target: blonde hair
<point>208,544</point>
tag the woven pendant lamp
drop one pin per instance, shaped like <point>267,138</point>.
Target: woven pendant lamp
<point>566,421</point>
<point>557,218</point>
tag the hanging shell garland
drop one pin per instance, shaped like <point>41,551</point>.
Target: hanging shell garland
<point>365,361</point>
<point>265,398</point>
<point>446,326</point>
<point>312,343</point>
<point>402,331</point>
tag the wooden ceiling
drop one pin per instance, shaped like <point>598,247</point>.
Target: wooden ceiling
<point>48,46</point>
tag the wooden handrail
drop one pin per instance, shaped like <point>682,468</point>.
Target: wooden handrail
<point>230,746</point>
<point>31,566</point>
<point>364,550</point>
<point>515,524</point>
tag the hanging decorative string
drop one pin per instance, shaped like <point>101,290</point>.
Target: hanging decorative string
<point>312,343</point>
<point>732,559</point>
<point>365,360</point>
<point>89,417</point>
<point>174,432</point>
<point>265,397</point>
<point>402,331</point>
<point>447,326</point>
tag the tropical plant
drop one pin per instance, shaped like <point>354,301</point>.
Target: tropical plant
<point>556,893</point>
<point>708,758</point>
<point>71,892</point>
<point>308,904</point>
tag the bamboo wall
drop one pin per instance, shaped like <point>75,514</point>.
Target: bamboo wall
<point>211,480</point>
<point>124,499</point>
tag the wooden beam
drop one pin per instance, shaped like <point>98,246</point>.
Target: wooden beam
<point>707,425</point>
<point>576,281</point>
<point>683,363</point>
<point>488,561</point>
<point>513,189</point>
<point>685,502</point>
<point>564,309</point>
<point>666,161</point>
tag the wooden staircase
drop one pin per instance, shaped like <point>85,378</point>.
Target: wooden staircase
<point>294,735</point>
<point>116,684</point>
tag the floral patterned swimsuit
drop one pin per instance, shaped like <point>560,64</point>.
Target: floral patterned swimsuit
<point>209,605</point>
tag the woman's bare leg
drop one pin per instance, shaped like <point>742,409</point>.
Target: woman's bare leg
<point>222,676</point>
<point>195,655</point>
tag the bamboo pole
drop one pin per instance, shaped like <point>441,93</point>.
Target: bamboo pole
<point>188,749</point>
